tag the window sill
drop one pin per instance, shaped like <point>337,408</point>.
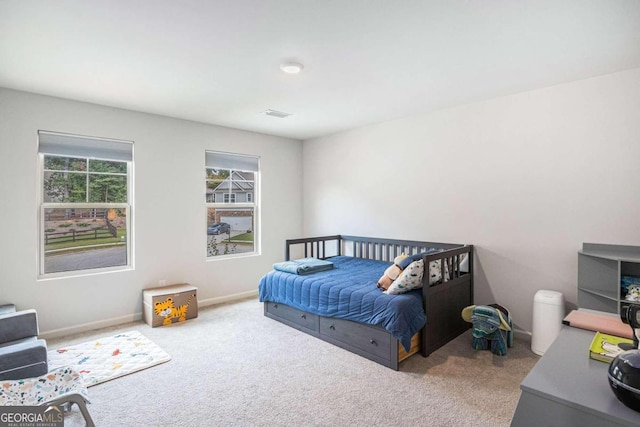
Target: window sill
<point>232,256</point>
<point>82,273</point>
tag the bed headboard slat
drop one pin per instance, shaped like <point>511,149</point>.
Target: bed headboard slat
<point>373,248</point>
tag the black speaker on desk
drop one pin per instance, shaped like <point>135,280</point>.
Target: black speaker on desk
<point>624,371</point>
<point>630,314</point>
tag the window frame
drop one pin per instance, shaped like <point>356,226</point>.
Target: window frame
<point>43,206</point>
<point>254,204</point>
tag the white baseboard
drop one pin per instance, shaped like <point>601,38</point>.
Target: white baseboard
<point>71,330</point>
<point>228,298</point>
<point>522,334</point>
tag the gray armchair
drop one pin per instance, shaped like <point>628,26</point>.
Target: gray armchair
<point>22,354</point>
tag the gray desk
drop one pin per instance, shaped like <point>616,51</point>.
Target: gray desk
<point>566,388</point>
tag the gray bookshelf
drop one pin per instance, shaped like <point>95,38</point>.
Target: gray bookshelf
<point>600,268</point>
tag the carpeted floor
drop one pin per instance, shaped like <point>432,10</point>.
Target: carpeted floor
<point>233,367</point>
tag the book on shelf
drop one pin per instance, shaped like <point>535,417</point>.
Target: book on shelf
<point>605,347</point>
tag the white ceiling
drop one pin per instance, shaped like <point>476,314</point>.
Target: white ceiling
<point>366,61</point>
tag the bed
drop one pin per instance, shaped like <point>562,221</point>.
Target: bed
<point>344,306</point>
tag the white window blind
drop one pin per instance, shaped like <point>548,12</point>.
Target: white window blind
<point>59,144</point>
<point>218,160</point>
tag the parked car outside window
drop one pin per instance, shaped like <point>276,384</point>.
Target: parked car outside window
<point>219,228</point>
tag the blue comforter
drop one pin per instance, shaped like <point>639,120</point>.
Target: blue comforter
<point>349,291</point>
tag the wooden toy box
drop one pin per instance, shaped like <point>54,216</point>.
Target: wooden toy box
<point>170,304</point>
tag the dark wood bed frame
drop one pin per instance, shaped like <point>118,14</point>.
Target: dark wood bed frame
<point>442,301</point>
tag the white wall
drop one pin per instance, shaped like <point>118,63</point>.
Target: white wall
<point>169,213</point>
<point>526,178</point>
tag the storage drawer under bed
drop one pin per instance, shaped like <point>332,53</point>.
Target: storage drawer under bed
<point>293,317</point>
<point>369,339</point>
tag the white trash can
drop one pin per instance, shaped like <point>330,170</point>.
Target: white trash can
<point>548,312</point>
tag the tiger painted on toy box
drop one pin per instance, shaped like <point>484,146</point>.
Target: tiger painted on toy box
<point>169,311</point>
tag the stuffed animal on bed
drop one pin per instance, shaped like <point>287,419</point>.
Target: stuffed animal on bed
<point>391,273</point>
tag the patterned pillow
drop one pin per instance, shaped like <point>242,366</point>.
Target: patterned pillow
<point>411,278</point>
<point>408,260</point>
<point>435,272</point>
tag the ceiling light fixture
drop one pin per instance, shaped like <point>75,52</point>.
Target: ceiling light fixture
<point>291,67</point>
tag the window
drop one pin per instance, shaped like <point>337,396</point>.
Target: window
<point>232,210</point>
<point>85,204</point>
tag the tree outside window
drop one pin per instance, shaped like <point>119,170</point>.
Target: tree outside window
<point>85,205</point>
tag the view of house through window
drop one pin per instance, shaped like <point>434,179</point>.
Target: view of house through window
<point>85,203</point>
<point>230,203</point>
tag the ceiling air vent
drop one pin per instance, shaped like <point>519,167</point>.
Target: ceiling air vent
<point>276,113</point>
